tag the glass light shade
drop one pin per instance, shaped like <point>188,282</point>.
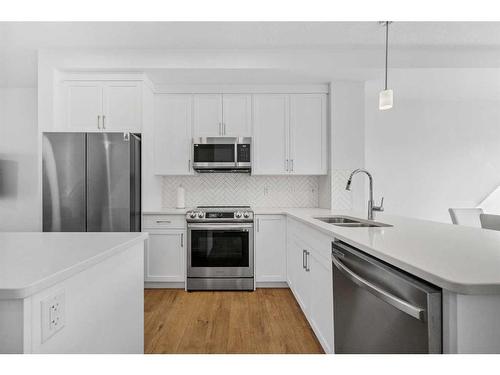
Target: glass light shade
<point>385,100</point>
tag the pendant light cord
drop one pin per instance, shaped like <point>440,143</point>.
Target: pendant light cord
<point>386,49</point>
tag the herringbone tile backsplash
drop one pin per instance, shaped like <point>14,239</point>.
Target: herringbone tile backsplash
<point>257,191</point>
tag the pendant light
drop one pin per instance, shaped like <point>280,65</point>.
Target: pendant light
<point>385,99</point>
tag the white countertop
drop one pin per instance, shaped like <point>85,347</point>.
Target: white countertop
<point>456,258</point>
<point>30,262</point>
<point>168,211</point>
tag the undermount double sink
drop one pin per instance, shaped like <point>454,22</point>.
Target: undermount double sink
<point>351,222</point>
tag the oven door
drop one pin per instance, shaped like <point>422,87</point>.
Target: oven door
<point>217,155</point>
<point>220,250</point>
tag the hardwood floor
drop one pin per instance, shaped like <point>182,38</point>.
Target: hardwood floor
<point>264,321</point>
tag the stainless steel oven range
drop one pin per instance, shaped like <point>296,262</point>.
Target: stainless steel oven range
<point>220,249</point>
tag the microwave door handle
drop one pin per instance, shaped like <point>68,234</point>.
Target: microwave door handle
<point>398,303</point>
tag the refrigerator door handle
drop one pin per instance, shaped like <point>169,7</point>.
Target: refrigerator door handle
<point>398,303</point>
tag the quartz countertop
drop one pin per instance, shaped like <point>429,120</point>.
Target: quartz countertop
<point>33,261</point>
<point>457,258</point>
<point>168,211</point>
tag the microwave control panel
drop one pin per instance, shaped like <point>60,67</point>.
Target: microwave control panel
<point>243,151</point>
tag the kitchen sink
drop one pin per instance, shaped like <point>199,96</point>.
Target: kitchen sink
<point>352,222</point>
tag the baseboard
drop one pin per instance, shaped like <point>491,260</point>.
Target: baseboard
<point>169,285</point>
<point>181,285</point>
<point>271,284</point>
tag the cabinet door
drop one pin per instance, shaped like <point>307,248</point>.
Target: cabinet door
<point>172,134</point>
<point>270,130</point>
<point>165,256</point>
<point>321,300</point>
<point>207,115</point>
<point>84,105</point>
<point>237,115</point>
<point>122,103</point>
<point>300,277</point>
<point>308,153</point>
<point>270,248</point>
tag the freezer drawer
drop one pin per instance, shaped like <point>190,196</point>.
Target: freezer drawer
<point>380,309</point>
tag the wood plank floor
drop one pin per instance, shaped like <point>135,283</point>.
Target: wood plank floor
<point>264,321</point>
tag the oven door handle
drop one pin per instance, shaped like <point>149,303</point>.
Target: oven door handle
<point>222,226</point>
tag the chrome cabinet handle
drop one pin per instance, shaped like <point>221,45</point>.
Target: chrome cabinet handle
<point>220,128</point>
<point>286,165</point>
<point>163,221</point>
<point>223,128</point>
<point>304,258</point>
<point>307,261</point>
<point>391,299</point>
<point>258,225</point>
<point>103,122</point>
<point>182,239</point>
<point>189,165</point>
<point>291,165</point>
<point>98,122</point>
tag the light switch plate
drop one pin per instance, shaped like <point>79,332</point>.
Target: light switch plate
<point>53,315</point>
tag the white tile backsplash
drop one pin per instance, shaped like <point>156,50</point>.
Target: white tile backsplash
<point>341,198</point>
<point>257,191</point>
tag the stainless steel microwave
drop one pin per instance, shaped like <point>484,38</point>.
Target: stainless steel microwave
<point>222,154</point>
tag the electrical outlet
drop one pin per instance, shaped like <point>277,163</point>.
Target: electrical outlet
<point>53,315</point>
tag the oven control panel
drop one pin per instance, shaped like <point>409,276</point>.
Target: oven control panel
<point>213,216</point>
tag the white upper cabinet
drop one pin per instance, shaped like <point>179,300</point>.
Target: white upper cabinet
<point>237,115</point>
<point>122,106</point>
<point>270,248</point>
<point>308,134</point>
<point>172,134</point>
<point>207,115</point>
<point>101,106</point>
<point>83,105</point>
<point>218,115</point>
<point>270,131</point>
<point>289,134</point>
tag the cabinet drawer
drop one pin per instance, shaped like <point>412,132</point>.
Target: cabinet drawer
<point>164,221</point>
<point>318,242</point>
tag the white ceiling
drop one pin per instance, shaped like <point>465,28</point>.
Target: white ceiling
<point>20,41</point>
<point>236,35</point>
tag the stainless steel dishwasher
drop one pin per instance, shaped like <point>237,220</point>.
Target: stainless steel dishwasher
<point>380,309</point>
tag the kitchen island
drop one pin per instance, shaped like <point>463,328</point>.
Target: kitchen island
<point>71,292</point>
<point>463,261</point>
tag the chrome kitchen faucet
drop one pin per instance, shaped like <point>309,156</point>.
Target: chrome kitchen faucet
<point>371,206</point>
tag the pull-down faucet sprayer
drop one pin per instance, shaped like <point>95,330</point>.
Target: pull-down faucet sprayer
<point>371,206</point>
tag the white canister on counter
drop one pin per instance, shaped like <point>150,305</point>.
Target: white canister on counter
<point>181,197</point>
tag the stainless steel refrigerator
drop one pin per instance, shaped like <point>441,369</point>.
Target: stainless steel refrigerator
<point>91,182</point>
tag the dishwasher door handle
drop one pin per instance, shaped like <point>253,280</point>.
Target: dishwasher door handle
<point>398,303</point>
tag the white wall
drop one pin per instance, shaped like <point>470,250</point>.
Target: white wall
<point>19,203</point>
<point>347,144</point>
<point>439,147</point>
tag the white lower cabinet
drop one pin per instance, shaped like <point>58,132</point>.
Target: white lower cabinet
<point>270,248</point>
<point>297,267</point>
<point>321,299</point>
<point>165,256</point>
<point>310,279</point>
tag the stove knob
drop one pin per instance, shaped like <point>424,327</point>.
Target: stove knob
<point>200,215</point>
<point>246,215</point>
<point>237,215</point>
<point>192,215</point>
